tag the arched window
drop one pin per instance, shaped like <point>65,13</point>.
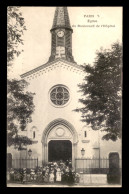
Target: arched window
<point>33,134</point>
<point>85,133</point>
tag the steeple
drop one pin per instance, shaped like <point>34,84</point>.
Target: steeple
<point>61,41</point>
<point>61,18</point>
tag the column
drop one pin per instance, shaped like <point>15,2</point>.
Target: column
<point>42,154</point>
<point>45,153</point>
<point>74,154</point>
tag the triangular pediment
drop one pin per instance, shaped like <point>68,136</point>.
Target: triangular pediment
<point>57,62</point>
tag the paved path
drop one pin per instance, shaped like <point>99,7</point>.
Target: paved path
<point>56,185</point>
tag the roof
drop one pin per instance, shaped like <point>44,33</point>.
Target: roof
<point>49,64</point>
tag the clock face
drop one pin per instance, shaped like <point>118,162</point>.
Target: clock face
<point>60,33</point>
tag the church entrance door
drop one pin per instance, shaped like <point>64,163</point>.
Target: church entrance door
<point>59,150</point>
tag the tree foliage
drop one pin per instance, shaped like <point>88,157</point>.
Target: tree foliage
<point>102,92</point>
<point>19,102</point>
<point>20,108</point>
<point>15,29</point>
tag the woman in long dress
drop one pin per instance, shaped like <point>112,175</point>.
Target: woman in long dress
<point>51,177</point>
<point>46,177</point>
<point>58,175</point>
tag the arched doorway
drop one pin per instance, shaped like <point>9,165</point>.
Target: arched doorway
<point>59,130</point>
<point>59,150</point>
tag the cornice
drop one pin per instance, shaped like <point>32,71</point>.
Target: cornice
<point>48,64</point>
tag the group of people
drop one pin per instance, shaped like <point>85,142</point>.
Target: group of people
<point>53,172</point>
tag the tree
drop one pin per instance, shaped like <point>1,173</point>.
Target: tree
<point>19,102</point>
<point>102,93</point>
<point>20,108</point>
<point>15,30</point>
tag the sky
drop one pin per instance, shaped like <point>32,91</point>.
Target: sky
<point>93,28</point>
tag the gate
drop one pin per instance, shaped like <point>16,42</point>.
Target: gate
<point>24,163</point>
<point>93,165</point>
<point>9,160</point>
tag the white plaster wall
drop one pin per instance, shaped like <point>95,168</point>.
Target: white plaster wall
<point>45,112</point>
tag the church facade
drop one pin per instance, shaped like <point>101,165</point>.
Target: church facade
<point>56,127</point>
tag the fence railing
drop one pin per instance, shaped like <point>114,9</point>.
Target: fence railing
<point>94,165</point>
<point>24,163</point>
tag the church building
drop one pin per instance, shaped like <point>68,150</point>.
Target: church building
<point>57,128</point>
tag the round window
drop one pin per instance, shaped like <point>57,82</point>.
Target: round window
<point>59,95</point>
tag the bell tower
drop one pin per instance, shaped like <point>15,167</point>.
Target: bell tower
<point>61,36</point>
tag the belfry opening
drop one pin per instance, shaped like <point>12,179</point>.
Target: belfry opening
<point>59,150</point>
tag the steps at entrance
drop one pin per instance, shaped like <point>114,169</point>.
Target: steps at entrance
<point>93,178</point>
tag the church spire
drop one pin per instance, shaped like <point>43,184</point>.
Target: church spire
<point>61,41</point>
<point>61,18</point>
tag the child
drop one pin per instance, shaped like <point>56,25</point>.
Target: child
<point>24,175</point>
<point>46,177</point>
<point>32,175</point>
<point>77,178</point>
<point>51,177</point>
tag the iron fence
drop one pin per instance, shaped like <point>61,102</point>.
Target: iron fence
<point>94,165</point>
<point>24,163</point>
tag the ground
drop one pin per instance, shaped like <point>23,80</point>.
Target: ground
<point>59,185</point>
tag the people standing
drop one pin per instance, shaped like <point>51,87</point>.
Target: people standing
<point>43,174</point>
<point>70,177</point>
<point>70,164</point>
<point>55,171</point>
<point>24,175</point>
<point>58,175</point>
<point>51,177</point>
<point>46,177</point>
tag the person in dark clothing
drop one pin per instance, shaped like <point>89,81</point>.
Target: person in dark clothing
<point>63,177</point>
<point>55,174</point>
<point>67,163</point>
<point>43,173</point>
<point>70,164</point>
<point>21,175</point>
<point>70,178</point>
